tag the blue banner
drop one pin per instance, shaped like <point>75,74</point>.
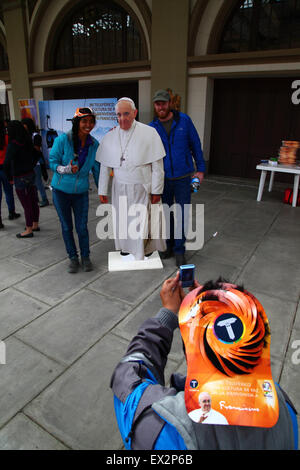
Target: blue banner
<point>56,116</point>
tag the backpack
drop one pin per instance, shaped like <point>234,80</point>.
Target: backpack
<point>288,197</point>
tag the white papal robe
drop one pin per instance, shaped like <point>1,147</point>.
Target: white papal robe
<point>138,172</point>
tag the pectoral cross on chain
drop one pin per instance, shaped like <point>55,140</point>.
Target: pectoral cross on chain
<point>128,140</point>
<point>122,159</point>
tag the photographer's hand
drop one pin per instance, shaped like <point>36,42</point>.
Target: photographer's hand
<point>195,286</point>
<point>172,294</point>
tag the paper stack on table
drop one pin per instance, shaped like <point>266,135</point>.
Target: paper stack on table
<point>288,152</point>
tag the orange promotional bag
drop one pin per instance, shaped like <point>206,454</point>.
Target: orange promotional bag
<point>227,344</point>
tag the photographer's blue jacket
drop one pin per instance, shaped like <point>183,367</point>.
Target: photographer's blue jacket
<point>181,146</point>
<point>62,153</point>
<point>152,416</point>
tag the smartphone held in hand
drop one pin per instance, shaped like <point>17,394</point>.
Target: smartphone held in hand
<point>187,275</point>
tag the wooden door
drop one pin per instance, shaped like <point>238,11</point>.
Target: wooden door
<point>250,119</point>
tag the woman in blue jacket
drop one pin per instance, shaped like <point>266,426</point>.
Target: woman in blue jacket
<point>71,159</point>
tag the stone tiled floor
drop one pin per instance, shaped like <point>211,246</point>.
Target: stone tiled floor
<point>64,333</point>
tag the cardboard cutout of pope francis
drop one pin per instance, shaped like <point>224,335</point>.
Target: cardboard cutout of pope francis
<point>134,151</point>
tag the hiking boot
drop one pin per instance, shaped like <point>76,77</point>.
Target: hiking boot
<point>13,215</point>
<point>168,253</point>
<point>1,224</point>
<point>87,264</point>
<point>73,265</point>
<point>44,203</point>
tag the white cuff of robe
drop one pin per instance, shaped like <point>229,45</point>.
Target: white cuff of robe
<point>64,169</point>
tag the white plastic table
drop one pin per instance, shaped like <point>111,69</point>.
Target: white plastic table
<point>264,167</point>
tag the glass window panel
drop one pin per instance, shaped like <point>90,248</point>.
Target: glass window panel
<point>262,25</point>
<point>97,32</point>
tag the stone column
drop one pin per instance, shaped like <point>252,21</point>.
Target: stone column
<point>200,108</point>
<point>145,109</point>
<point>14,14</point>
<point>170,21</point>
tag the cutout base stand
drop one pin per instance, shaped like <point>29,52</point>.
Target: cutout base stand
<point>116,262</point>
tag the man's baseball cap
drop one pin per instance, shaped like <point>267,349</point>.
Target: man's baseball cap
<point>161,95</point>
<point>227,345</point>
<point>82,112</point>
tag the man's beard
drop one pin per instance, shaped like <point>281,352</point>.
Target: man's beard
<point>163,113</point>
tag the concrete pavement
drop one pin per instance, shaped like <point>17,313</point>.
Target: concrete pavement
<point>63,333</point>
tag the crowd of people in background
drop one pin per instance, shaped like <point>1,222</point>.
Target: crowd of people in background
<point>21,155</point>
<point>7,186</point>
<point>23,168</point>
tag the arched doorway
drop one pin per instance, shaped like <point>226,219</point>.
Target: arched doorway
<point>91,38</point>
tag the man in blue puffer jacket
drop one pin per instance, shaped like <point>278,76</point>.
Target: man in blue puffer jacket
<point>184,159</point>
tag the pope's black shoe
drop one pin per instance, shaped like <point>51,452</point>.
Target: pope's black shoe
<point>124,253</point>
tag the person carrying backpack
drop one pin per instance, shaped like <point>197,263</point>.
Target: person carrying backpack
<point>226,344</point>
